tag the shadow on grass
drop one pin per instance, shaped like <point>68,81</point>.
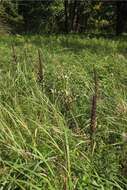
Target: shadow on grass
<point>77,46</point>
<point>93,43</point>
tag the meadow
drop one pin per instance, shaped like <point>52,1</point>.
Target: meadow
<point>46,90</point>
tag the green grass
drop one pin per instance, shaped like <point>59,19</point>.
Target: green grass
<point>45,128</point>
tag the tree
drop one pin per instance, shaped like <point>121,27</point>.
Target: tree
<point>35,13</point>
<point>9,17</point>
<point>66,15</point>
<point>76,15</point>
<point>121,21</point>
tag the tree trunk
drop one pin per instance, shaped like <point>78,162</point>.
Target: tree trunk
<point>73,15</point>
<point>66,15</point>
<point>121,20</point>
<point>83,18</point>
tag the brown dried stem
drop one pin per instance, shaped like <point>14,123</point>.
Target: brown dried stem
<point>14,54</point>
<point>94,105</point>
<point>40,68</point>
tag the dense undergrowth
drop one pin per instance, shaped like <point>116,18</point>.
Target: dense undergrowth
<point>45,124</point>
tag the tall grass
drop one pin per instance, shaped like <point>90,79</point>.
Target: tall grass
<point>45,132</point>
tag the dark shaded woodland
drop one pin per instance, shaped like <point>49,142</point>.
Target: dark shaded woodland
<point>67,16</point>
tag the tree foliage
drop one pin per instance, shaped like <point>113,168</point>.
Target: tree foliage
<point>64,16</point>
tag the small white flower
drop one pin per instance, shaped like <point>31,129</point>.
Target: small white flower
<point>66,77</point>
